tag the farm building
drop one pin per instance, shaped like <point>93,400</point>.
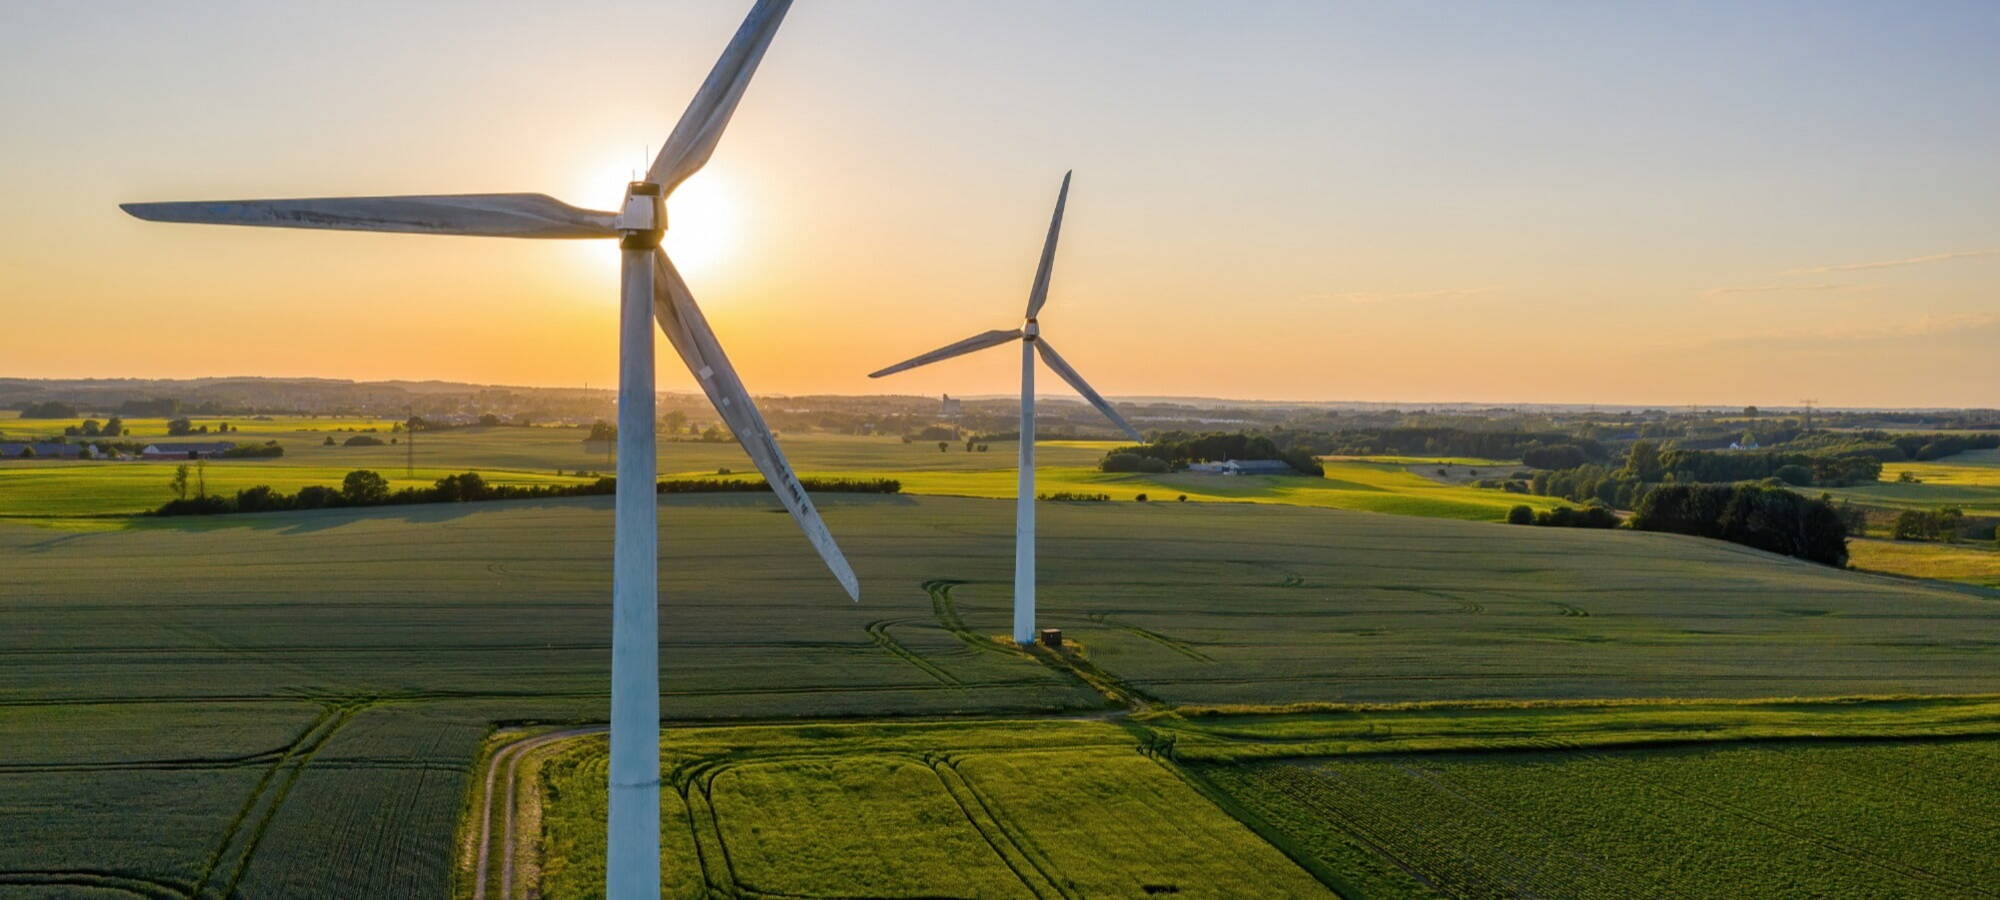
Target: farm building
<point>44,450</point>
<point>1243,467</point>
<point>204,450</point>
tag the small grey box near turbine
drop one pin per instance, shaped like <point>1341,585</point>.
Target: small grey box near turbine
<point>1030,334</point>
<point>651,291</point>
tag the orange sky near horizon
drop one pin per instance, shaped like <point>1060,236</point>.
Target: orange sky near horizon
<point>1307,201</point>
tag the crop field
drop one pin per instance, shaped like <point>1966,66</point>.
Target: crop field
<point>1739,820</point>
<point>302,695</point>
<point>1969,481</point>
<point>960,809</point>
<point>49,489</point>
<point>1970,563</point>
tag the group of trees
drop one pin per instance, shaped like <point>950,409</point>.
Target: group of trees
<point>1590,516</point>
<point>1498,444</point>
<point>1754,515</point>
<point>1929,524</point>
<point>48,409</point>
<point>1646,465</point>
<point>182,427</point>
<point>1176,449</point>
<point>93,428</point>
<point>366,488</point>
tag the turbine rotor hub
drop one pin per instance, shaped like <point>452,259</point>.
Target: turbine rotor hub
<point>643,219</point>
<point>1031,330</point>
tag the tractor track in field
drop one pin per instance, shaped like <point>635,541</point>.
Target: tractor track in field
<point>253,819</point>
<point>97,880</point>
<point>879,631</point>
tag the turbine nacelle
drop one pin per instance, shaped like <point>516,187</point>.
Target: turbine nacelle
<point>643,218</point>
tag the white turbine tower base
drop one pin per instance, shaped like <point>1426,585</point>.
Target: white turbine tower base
<point>1032,345</point>
<point>650,291</point>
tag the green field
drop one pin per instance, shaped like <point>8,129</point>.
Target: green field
<point>49,488</point>
<point>1758,820</point>
<point>990,809</point>
<point>1969,481</point>
<point>299,697</point>
<point>1969,563</point>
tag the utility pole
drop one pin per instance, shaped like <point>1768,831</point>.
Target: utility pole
<point>410,443</point>
<point>1809,407</point>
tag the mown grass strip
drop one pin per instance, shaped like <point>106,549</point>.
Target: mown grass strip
<point>1241,733</point>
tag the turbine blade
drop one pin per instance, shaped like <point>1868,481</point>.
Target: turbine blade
<point>688,331</point>
<point>700,127</point>
<point>978,341</point>
<point>487,215</point>
<point>1039,294</point>
<point>1062,367</point>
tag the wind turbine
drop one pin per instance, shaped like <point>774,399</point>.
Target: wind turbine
<point>651,290</point>
<point>1030,335</point>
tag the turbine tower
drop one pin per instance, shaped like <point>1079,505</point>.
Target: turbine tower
<point>1032,342</point>
<point>651,291</point>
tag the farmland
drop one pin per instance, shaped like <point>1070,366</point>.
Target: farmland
<point>1000,809</point>
<point>48,489</point>
<point>302,695</point>
<point>1784,819</point>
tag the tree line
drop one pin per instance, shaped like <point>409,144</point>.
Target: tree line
<point>363,487</point>
<point>1174,450</point>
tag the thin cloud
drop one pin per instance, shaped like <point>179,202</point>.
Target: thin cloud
<point>1372,297</point>
<point>1822,287</point>
<point>1893,263</point>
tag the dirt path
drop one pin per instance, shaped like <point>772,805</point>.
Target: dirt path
<point>509,756</point>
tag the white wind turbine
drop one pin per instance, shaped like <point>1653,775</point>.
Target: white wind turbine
<point>1030,334</point>
<point>651,291</point>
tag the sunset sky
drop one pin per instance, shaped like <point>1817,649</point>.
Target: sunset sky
<point>1716,203</point>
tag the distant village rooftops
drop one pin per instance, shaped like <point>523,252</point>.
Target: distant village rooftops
<point>42,450</point>
<point>192,450</point>
<point>1243,467</point>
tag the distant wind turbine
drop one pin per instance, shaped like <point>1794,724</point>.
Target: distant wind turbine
<point>651,291</point>
<point>1032,342</point>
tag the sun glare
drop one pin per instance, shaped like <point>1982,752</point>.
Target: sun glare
<point>702,221</point>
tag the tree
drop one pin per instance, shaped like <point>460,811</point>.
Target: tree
<point>1559,456</point>
<point>91,428</point>
<point>200,479</point>
<point>179,483</point>
<point>179,427</point>
<point>362,487</point>
<point>1750,412</point>
<point>1141,498</point>
<point>329,441</point>
<point>675,421</point>
<point>48,409</point>
<point>1795,475</point>
<point>114,427</point>
<point>1642,462</point>
<point>944,446</point>
<point>1521,515</point>
<point>489,420</point>
<point>27,453</point>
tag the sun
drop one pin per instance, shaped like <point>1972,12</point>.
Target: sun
<point>703,225</point>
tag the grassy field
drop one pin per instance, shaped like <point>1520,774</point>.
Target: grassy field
<point>962,809</point>
<point>1967,562</point>
<point>50,488</point>
<point>1741,820</point>
<point>1970,481</point>
<point>299,696</point>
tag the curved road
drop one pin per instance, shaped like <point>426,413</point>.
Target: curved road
<point>510,756</point>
